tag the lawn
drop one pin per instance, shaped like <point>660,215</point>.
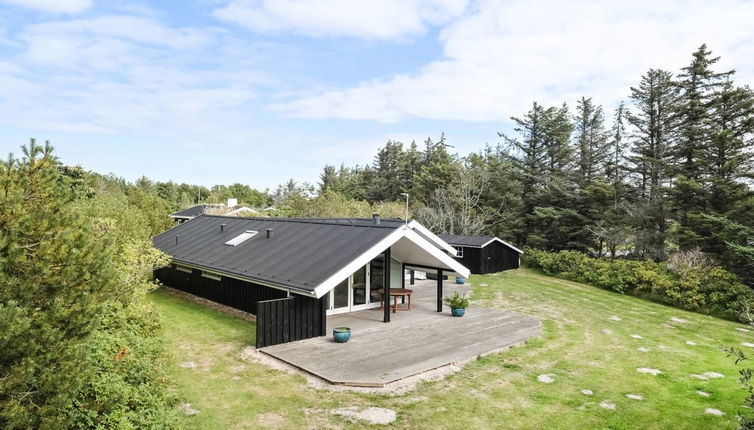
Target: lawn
<point>581,348</point>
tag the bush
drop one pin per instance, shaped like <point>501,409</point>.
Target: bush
<point>457,301</point>
<point>688,281</point>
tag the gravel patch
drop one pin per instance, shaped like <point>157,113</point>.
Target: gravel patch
<point>690,342</point>
<point>546,378</point>
<point>188,365</point>
<point>648,370</point>
<point>187,409</point>
<point>614,318</point>
<point>607,404</point>
<point>644,349</point>
<point>679,320</point>
<point>713,411</point>
<point>606,331</point>
<point>483,285</point>
<point>713,375</point>
<point>587,392</point>
<point>379,416</point>
<point>270,420</point>
<point>636,336</point>
<point>702,393</point>
<point>635,396</point>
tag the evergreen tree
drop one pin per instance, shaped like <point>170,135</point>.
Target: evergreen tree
<point>698,84</point>
<point>654,101</point>
<point>592,141</point>
<point>56,277</point>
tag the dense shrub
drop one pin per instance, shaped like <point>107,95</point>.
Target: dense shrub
<point>687,281</point>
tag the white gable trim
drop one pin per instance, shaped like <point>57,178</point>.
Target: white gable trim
<point>437,253</point>
<point>331,282</point>
<point>504,243</point>
<point>424,231</point>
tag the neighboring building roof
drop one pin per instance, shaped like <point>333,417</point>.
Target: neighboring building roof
<point>474,241</point>
<point>188,213</point>
<point>307,255</point>
<point>215,209</point>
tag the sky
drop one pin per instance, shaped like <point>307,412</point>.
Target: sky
<point>260,91</point>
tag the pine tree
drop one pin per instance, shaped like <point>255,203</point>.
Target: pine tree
<point>698,84</point>
<point>56,278</point>
<point>592,141</point>
<point>654,101</point>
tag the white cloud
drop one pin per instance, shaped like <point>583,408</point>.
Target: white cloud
<point>368,19</point>
<point>506,54</point>
<point>53,6</point>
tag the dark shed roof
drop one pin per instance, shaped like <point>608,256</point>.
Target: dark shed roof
<point>301,253</point>
<point>474,241</point>
<point>192,212</point>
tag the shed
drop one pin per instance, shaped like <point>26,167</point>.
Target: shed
<point>484,254</point>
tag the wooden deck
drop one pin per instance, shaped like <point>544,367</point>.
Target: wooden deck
<point>412,343</point>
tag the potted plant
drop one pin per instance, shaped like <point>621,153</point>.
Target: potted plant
<point>460,280</point>
<point>341,334</point>
<point>457,303</point>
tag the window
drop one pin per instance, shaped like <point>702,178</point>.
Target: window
<point>459,251</point>
<point>241,238</point>
<point>211,276</point>
<point>183,269</point>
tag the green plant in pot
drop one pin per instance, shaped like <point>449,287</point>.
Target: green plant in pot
<point>457,303</point>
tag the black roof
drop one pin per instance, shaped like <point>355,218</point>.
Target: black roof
<point>460,240</point>
<point>193,211</point>
<point>474,241</point>
<point>301,254</point>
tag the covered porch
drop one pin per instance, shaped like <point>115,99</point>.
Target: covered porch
<point>416,342</point>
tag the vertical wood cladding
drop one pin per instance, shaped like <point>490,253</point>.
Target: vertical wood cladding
<point>227,291</point>
<point>493,258</point>
<point>290,319</point>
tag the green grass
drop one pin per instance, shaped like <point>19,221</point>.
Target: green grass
<point>497,391</point>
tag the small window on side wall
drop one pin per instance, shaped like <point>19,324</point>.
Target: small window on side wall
<point>459,251</point>
<point>183,268</point>
<point>210,275</point>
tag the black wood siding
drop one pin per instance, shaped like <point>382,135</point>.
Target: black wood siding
<point>493,258</point>
<point>227,291</point>
<point>290,319</point>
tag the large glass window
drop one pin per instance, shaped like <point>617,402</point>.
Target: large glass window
<point>360,286</point>
<point>340,295</point>
<point>377,277</point>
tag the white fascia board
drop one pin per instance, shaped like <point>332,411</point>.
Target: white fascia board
<point>424,231</point>
<point>338,277</point>
<point>504,243</point>
<point>368,255</point>
<point>443,257</point>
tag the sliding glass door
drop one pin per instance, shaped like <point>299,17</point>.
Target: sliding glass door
<point>358,291</point>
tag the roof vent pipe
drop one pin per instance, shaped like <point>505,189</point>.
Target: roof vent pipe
<point>176,238</point>
<point>222,227</point>
<point>376,219</point>
<point>269,232</point>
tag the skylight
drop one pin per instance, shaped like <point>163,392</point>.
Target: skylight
<point>241,238</point>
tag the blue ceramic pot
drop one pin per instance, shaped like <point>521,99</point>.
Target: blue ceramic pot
<point>460,280</point>
<point>341,334</point>
<point>457,312</point>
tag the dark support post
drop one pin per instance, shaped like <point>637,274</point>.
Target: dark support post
<point>439,290</point>
<point>411,274</point>
<point>386,281</point>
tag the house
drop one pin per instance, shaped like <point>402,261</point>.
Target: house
<point>484,254</point>
<point>292,273</point>
<point>229,209</point>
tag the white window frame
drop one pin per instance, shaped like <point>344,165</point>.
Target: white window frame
<point>183,269</point>
<point>210,275</point>
<point>459,251</point>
